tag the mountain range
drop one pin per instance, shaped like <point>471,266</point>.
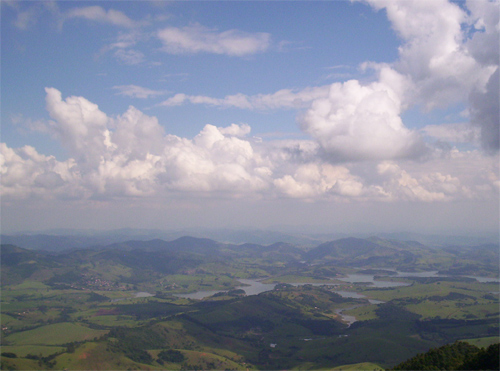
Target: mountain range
<point>62,239</point>
<point>135,259</point>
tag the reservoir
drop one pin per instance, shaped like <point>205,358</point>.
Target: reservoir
<point>370,279</point>
<point>253,287</point>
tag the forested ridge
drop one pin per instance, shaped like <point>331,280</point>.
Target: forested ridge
<point>456,356</point>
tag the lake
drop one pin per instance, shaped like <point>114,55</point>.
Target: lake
<point>370,279</point>
<point>253,287</point>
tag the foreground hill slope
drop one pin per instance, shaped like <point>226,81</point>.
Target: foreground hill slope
<point>456,356</point>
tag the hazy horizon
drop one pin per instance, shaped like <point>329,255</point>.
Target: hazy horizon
<point>270,235</point>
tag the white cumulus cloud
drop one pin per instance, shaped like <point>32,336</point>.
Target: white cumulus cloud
<point>450,54</point>
<point>130,155</point>
<point>313,180</point>
<point>357,122</point>
<point>433,53</point>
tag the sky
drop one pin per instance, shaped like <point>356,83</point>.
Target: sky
<point>337,116</point>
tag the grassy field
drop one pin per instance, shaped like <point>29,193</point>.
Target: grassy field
<point>59,333</point>
<point>19,364</point>
<point>110,271</point>
<point>185,283</point>
<point>10,321</point>
<point>29,285</point>
<point>115,320</point>
<point>204,361</point>
<point>443,299</point>
<point>437,288</point>
<point>457,309</point>
<point>94,356</point>
<point>363,313</point>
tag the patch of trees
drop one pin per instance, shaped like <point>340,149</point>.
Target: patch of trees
<point>95,297</point>
<point>485,359</point>
<point>321,327</point>
<point>243,324</point>
<point>283,286</point>
<point>171,355</point>
<point>448,330</point>
<point>236,292</point>
<point>45,362</point>
<point>337,298</point>
<point>393,312</point>
<point>150,309</point>
<point>473,269</point>
<point>456,356</point>
<point>65,278</point>
<point>133,342</point>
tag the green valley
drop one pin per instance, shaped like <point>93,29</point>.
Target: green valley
<point>345,304</point>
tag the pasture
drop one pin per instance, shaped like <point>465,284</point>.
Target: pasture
<point>56,334</point>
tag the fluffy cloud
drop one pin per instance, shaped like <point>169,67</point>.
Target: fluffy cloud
<point>213,161</point>
<point>199,39</point>
<point>438,65</point>
<point>130,155</point>
<point>26,173</point>
<point>236,130</point>
<point>313,180</point>
<point>357,122</point>
<point>435,68</point>
<point>450,55</point>
<point>433,53</point>
<point>402,185</point>
<point>80,126</point>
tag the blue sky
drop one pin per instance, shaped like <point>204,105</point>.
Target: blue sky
<point>250,113</point>
<point>310,44</point>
